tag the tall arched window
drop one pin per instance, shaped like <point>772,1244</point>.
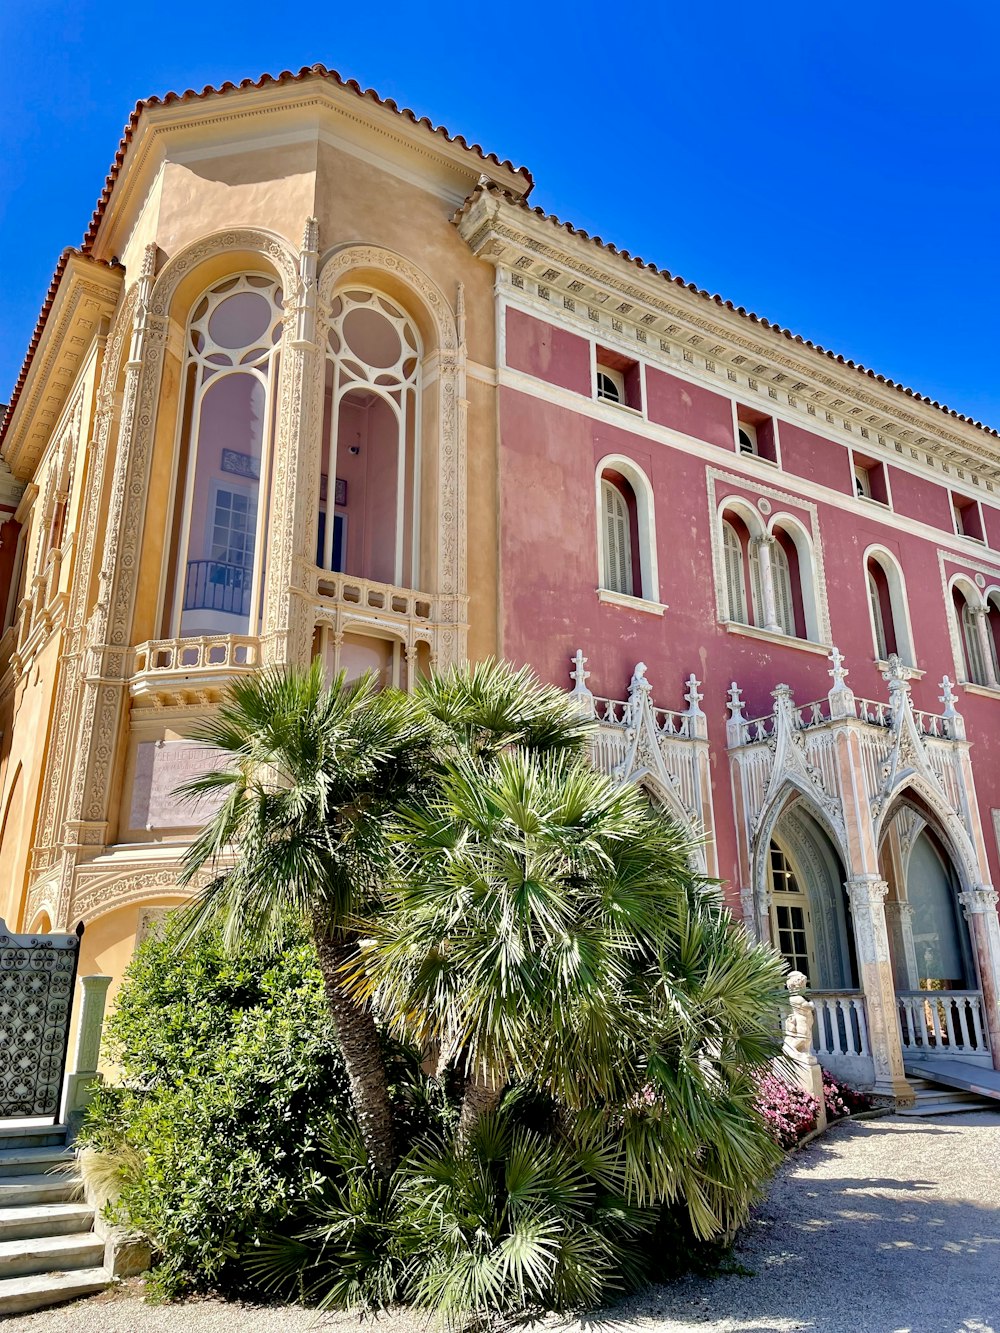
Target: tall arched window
<point>369,483</point>
<point>231,375</point>
<point>974,648</point>
<point>617,539</point>
<point>875,602</point>
<point>736,597</point>
<point>626,532</point>
<point>784,606</point>
<point>887,604</point>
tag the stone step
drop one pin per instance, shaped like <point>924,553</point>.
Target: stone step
<point>45,1219</point>
<point>24,1134</point>
<point>929,1108</point>
<point>48,1254</point>
<point>20,1191</point>
<point>19,1294</point>
<point>33,1161</point>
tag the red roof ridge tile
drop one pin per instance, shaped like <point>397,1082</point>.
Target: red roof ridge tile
<point>307,72</point>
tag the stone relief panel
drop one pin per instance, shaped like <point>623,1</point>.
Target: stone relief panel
<point>161,767</point>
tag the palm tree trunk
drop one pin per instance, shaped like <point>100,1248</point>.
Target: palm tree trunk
<point>362,1052</point>
<point>482,1095</point>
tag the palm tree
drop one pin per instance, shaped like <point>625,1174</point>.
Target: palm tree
<point>311,771</point>
<point>545,925</point>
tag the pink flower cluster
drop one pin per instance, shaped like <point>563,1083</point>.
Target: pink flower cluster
<point>789,1113</point>
<point>841,1099</point>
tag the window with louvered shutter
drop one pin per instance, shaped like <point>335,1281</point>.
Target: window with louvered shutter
<point>756,585</point>
<point>736,599</point>
<point>784,609</point>
<point>975,665</point>
<point>617,541</point>
<point>876,605</point>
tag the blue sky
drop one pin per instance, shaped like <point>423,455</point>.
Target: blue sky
<point>834,168</point>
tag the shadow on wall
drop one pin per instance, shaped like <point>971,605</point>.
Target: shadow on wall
<point>860,1254</point>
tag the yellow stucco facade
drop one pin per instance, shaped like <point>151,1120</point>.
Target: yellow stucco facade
<point>331,202</point>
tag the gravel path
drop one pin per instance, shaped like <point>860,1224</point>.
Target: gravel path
<point>883,1226</point>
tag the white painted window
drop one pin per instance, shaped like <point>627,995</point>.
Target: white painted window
<point>747,436</point>
<point>881,651</point>
<point>736,597</point>
<point>617,540</point>
<point>784,607</point>
<point>974,659</point>
<point>862,482</point>
<point>610,385</point>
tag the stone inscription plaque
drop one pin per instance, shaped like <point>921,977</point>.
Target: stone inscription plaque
<point>160,768</point>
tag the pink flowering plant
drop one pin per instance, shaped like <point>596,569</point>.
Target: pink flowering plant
<point>788,1112</point>
<point>841,1099</point>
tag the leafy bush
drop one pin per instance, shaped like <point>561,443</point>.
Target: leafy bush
<point>841,1099</point>
<point>231,1072</point>
<point>788,1112</point>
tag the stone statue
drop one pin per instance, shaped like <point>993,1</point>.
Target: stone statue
<point>799,1023</point>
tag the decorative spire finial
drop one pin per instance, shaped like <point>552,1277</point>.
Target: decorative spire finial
<point>948,697</point>
<point>580,674</point>
<point>693,697</point>
<point>735,703</point>
<point>838,671</point>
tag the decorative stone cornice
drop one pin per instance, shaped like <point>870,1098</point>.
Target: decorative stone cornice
<point>84,302</point>
<point>573,280</point>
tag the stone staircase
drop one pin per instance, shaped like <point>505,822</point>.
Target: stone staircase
<point>49,1251</point>
<point>935,1099</point>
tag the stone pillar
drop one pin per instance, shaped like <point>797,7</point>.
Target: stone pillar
<point>982,631</point>
<point>287,636</point>
<point>866,894</point>
<point>769,610</point>
<point>980,907</point>
<point>899,917</point>
<point>800,1065</point>
<point>81,1083</point>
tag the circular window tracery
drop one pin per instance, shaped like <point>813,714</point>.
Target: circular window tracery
<point>374,341</point>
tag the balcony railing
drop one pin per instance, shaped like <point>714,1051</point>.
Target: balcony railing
<point>942,1022</point>
<point>841,1024</point>
<point>209,653</point>
<point>212,585</point>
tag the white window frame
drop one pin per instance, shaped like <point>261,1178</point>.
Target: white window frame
<point>616,379</point>
<point>649,581</point>
<point>750,430</point>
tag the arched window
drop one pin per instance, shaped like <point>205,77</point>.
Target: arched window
<point>784,606</point>
<point>617,539</point>
<point>230,380</point>
<point>993,628</point>
<point>974,647</point>
<point>369,468</point>
<point>626,532</point>
<point>875,602</point>
<point>736,597</point>
<point>887,605</point>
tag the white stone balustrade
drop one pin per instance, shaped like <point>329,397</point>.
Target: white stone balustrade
<point>215,653</point>
<point>371,598</point>
<point>942,1022</point>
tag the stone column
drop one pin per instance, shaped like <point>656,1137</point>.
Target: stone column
<point>769,610</point>
<point>980,907</point>
<point>982,630</point>
<point>899,917</point>
<point>866,894</point>
<point>287,637</point>
<point>84,1078</point>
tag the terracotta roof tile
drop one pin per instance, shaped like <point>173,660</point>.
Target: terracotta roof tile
<point>728,305</point>
<point>306,73</point>
<point>40,323</point>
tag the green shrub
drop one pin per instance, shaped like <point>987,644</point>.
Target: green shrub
<point>231,1073</point>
